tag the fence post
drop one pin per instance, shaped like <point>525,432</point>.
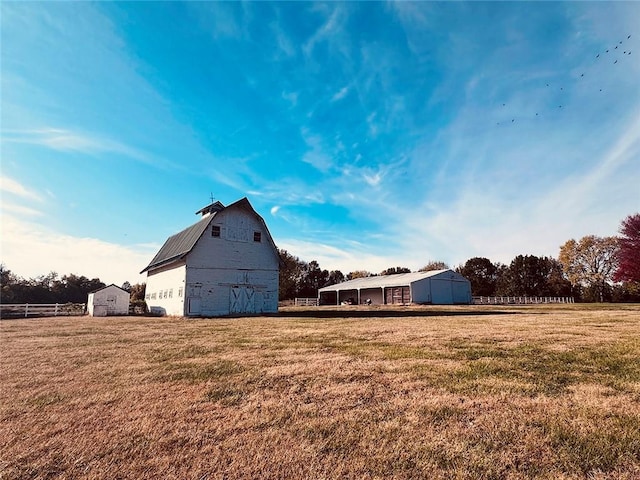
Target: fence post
<point>26,310</point>
<point>55,311</point>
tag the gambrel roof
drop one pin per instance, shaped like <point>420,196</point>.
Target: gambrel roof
<point>179,245</point>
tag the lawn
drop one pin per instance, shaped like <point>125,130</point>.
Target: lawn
<point>473,392</point>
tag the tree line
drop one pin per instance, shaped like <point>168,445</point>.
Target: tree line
<point>52,288</point>
<point>592,269</point>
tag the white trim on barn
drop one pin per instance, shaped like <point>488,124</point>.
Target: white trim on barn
<point>109,300</point>
<point>437,287</point>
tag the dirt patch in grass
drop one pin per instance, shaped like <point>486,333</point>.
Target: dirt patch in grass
<point>420,392</point>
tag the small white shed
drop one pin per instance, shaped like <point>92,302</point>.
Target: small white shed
<point>109,300</point>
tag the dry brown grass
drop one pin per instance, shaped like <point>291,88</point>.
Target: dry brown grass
<point>422,392</point>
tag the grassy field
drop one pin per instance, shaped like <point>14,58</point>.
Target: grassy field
<point>422,392</point>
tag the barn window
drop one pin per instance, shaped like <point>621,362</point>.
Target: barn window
<point>215,230</point>
<point>180,292</point>
<point>257,236</point>
<point>171,293</point>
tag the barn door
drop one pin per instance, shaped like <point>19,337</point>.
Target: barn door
<point>194,300</point>
<point>398,295</point>
<point>111,305</point>
<point>195,305</point>
<point>242,300</point>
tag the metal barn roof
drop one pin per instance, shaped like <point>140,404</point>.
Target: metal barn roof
<point>398,280</point>
<point>179,244</point>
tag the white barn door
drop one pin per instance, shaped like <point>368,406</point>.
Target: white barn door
<point>242,300</point>
<point>194,300</point>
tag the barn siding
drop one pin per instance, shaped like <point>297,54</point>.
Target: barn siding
<point>421,291</point>
<point>171,280</point>
<point>216,288</point>
<point>235,248</point>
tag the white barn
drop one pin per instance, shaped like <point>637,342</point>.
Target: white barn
<point>437,287</point>
<point>225,264</point>
<point>109,300</point>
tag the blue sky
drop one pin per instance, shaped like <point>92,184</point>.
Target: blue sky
<point>368,135</point>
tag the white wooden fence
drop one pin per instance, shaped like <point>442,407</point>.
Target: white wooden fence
<point>306,302</point>
<point>523,300</point>
<point>15,310</point>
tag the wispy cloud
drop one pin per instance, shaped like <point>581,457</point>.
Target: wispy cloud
<point>373,179</point>
<point>329,30</point>
<point>352,258</point>
<point>13,187</point>
<point>340,94</point>
<point>315,155</point>
<point>20,210</point>
<point>66,140</point>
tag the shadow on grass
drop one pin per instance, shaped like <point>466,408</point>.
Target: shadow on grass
<point>388,313</point>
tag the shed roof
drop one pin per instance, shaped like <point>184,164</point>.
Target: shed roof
<point>380,281</point>
<point>108,286</point>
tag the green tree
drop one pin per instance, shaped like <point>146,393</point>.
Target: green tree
<point>434,265</point>
<point>358,274</point>
<point>11,286</point>
<point>335,277</point>
<point>482,274</point>
<point>137,291</point>
<point>313,278</point>
<point>591,263</point>
<point>290,275</point>
<point>532,276</point>
<point>395,271</point>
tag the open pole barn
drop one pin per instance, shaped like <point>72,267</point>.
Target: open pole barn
<point>437,287</point>
<point>109,300</point>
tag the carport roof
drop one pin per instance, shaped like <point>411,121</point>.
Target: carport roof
<point>381,281</point>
